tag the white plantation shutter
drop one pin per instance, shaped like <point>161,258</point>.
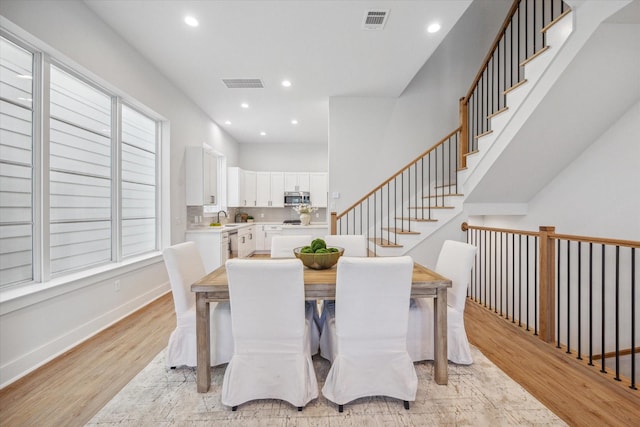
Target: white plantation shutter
<point>139,141</point>
<point>80,174</point>
<point>16,164</point>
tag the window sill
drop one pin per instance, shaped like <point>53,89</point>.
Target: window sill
<point>20,296</point>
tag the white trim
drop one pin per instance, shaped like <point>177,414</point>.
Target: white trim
<point>20,296</point>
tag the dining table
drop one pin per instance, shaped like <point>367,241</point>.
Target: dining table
<point>319,285</point>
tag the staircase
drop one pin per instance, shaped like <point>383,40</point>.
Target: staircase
<point>432,190</point>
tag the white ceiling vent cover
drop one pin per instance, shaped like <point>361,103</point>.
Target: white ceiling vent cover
<point>243,83</point>
<point>375,19</point>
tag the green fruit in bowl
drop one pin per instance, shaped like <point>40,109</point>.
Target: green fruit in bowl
<point>215,224</point>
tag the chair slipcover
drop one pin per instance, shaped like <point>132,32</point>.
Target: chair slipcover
<point>355,245</point>
<point>454,262</point>
<point>282,247</point>
<point>271,357</point>
<point>369,331</point>
<point>185,267</point>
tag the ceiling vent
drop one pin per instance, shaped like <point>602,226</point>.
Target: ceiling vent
<point>375,19</point>
<point>243,83</point>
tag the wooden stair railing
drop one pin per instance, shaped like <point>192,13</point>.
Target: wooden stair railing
<point>388,211</point>
<point>577,293</point>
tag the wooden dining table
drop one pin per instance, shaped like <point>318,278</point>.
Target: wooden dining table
<point>319,285</point>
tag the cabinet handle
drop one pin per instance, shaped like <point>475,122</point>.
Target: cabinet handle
<point>213,200</point>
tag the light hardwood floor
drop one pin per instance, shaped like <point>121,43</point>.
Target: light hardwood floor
<point>72,388</point>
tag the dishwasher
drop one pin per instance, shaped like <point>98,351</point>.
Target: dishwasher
<point>232,246</point>
<point>269,232</point>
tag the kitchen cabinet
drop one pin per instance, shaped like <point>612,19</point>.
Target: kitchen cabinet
<point>318,189</point>
<point>296,181</point>
<point>246,241</point>
<point>270,189</point>
<point>213,247</point>
<point>201,177</point>
<point>241,187</point>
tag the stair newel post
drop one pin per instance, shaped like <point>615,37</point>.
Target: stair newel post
<point>547,296</point>
<point>463,142</point>
<point>334,222</point>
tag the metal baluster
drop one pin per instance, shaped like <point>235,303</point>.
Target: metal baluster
<point>568,297</point>
<point>513,279</point>
<point>536,284</point>
<point>633,319</point>
<point>591,304</point>
<point>602,317</point>
<point>579,301</point>
<point>558,292</point>
<point>527,298</point>
<point>617,305</point>
<point>520,280</point>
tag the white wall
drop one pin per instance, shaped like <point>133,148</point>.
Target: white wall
<point>43,320</point>
<point>598,194</point>
<point>284,157</point>
<point>372,138</point>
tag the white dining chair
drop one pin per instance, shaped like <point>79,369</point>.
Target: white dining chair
<point>368,331</point>
<point>272,358</point>
<point>455,262</point>
<point>184,266</point>
<point>354,245</point>
<point>282,247</point>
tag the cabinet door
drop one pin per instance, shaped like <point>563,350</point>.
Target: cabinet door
<point>277,189</point>
<point>318,189</point>
<point>296,181</point>
<point>210,179</point>
<point>235,187</point>
<point>249,188</point>
<point>263,189</point>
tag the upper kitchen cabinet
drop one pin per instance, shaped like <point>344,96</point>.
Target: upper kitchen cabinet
<point>318,189</point>
<point>296,181</point>
<point>202,177</point>
<point>270,189</point>
<point>241,188</point>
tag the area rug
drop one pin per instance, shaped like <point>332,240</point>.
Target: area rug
<point>477,395</point>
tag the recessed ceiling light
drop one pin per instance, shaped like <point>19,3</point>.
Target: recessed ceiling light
<point>294,122</point>
<point>286,83</point>
<point>227,122</point>
<point>191,21</point>
<point>433,28</point>
<point>263,133</point>
<point>244,105</point>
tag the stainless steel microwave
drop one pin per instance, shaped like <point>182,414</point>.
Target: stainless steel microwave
<point>294,198</point>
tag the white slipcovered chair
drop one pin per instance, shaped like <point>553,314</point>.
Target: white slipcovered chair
<point>355,245</point>
<point>272,357</point>
<point>368,331</point>
<point>454,262</point>
<point>282,247</point>
<point>185,267</point>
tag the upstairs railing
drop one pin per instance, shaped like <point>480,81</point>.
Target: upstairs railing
<point>394,207</point>
<point>579,293</point>
<point>520,39</point>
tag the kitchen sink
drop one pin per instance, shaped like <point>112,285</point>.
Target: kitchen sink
<point>231,225</point>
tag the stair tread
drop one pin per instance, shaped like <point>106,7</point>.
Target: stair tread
<point>400,231</point>
<point>485,133</point>
<point>432,207</point>
<point>417,219</point>
<point>515,86</point>
<point>384,243</point>
<point>441,195</point>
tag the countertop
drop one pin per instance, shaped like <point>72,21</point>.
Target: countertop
<point>237,226</point>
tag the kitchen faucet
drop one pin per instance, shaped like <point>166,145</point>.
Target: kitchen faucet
<point>225,215</point>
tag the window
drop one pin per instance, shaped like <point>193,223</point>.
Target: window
<point>16,163</point>
<point>97,160</point>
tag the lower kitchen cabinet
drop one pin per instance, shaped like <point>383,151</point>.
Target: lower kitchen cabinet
<point>213,247</point>
<point>246,241</point>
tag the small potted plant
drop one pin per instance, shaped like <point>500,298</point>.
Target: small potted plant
<point>249,218</point>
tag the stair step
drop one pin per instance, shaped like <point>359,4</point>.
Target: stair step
<point>535,55</point>
<point>384,243</point>
<point>515,86</point>
<point>439,196</point>
<point>451,184</point>
<point>496,113</point>
<point>471,152</point>
<point>417,219</point>
<point>432,207</point>
<point>485,133</point>
<point>400,231</point>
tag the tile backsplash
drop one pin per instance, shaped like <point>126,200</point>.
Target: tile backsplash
<point>196,215</point>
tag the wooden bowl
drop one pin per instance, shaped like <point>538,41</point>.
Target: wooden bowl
<point>319,261</point>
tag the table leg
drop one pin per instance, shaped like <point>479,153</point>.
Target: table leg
<point>440,337</point>
<point>203,369</point>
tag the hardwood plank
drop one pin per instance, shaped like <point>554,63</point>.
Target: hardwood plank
<point>579,394</point>
<point>72,388</point>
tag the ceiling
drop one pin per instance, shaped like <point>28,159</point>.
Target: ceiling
<point>320,46</point>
